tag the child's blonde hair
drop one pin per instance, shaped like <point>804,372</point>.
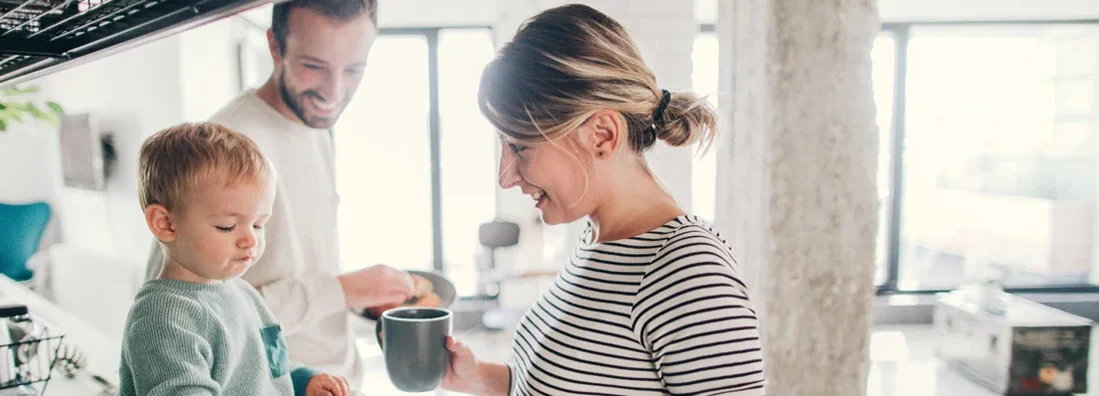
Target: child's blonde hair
<point>173,161</point>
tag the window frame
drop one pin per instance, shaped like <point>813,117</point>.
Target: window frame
<point>900,32</point>
<point>431,34</point>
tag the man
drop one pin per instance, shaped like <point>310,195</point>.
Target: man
<point>319,49</point>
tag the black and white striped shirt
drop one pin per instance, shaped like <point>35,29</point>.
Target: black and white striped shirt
<point>664,312</point>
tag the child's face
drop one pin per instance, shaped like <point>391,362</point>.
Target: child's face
<point>220,234</point>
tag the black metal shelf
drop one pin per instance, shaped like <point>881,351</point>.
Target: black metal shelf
<point>38,37</point>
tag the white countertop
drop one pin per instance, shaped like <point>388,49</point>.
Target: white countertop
<point>902,362</point>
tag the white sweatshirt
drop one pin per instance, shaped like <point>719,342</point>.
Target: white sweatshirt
<point>297,274</point>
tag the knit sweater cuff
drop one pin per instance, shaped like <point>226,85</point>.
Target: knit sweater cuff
<point>300,377</point>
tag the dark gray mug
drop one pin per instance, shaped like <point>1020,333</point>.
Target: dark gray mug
<point>413,341</point>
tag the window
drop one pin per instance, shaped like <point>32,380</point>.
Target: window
<point>704,61</point>
<point>383,161</point>
<point>414,158</point>
<point>997,143</point>
<point>468,152</point>
<point>999,157</point>
<point>883,59</point>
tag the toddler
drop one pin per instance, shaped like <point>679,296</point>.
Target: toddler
<point>198,329</point>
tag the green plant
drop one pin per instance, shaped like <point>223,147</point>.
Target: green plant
<point>18,104</point>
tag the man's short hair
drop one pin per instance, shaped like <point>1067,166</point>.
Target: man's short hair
<point>343,10</point>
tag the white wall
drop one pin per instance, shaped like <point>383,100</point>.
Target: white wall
<point>30,163</point>
<point>132,94</point>
<point>30,170</point>
<point>985,10</point>
<point>413,13</point>
<point>208,76</point>
<point>706,11</point>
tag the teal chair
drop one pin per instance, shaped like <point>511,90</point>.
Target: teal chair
<point>21,230</point>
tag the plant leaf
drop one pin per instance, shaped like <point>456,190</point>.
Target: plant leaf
<point>36,112</point>
<point>3,126</point>
<point>53,120</point>
<point>29,90</point>
<point>55,107</point>
<point>12,93</point>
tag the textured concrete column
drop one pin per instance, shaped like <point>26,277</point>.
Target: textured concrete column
<point>796,183</point>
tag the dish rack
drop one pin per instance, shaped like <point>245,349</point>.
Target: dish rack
<point>26,366</point>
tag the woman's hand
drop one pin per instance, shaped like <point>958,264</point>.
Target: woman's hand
<point>469,375</point>
<point>461,376</point>
<point>327,385</point>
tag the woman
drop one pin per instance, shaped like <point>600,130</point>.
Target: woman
<point>651,302</point>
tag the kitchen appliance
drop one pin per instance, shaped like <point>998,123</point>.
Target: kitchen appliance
<point>1028,349</point>
<point>82,153</point>
<point>39,37</point>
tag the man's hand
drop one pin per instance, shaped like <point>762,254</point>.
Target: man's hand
<point>327,385</point>
<point>375,286</point>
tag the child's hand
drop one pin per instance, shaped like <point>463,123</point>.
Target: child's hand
<point>327,385</point>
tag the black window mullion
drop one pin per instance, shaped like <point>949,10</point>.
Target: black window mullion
<point>436,143</point>
<point>896,179</point>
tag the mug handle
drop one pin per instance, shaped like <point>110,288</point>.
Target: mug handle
<point>378,334</point>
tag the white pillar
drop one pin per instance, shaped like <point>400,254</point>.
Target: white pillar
<point>796,183</point>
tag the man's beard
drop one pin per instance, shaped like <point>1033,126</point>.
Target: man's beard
<point>295,103</point>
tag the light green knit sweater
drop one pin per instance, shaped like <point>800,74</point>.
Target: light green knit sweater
<point>186,338</point>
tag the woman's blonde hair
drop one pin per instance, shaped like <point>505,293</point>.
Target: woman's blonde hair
<point>567,63</point>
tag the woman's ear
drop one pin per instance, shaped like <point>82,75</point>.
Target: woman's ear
<point>603,134</point>
<point>160,222</point>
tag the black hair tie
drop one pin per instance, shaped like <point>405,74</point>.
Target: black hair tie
<point>658,117</point>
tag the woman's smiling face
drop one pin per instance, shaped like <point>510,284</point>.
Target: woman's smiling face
<point>557,176</point>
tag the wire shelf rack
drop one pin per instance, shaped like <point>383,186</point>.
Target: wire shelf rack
<point>28,365</point>
<point>41,34</point>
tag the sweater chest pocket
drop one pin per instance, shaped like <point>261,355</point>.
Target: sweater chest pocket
<point>274,347</point>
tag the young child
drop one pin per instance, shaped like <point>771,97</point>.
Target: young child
<point>199,329</point>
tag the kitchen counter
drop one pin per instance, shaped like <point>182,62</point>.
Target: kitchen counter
<point>902,360</point>
<point>902,364</point>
